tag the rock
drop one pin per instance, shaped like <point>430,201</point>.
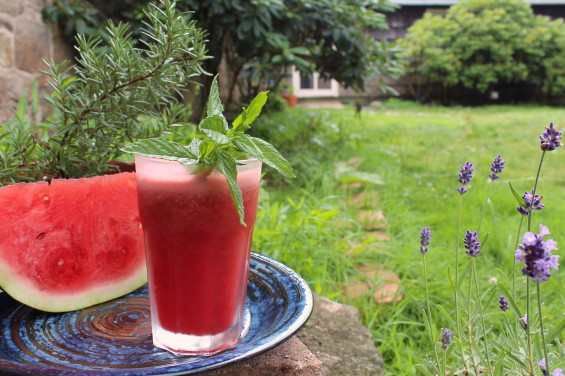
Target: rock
<point>6,53</point>
<point>354,162</point>
<point>11,7</point>
<point>365,200</point>
<point>351,186</point>
<point>387,293</point>
<point>291,358</point>
<point>372,220</point>
<point>32,45</point>
<point>6,23</point>
<point>356,289</point>
<point>388,283</point>
<point>11,88</point>
<point>337,338</point>
<point>383,283</point>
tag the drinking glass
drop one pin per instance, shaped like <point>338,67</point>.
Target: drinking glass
<point>197,253</point>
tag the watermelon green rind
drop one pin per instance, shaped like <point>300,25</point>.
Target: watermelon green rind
<point>72,243</point>
<point>30,296</point>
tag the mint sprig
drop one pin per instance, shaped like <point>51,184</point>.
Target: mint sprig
<point>217,145</point>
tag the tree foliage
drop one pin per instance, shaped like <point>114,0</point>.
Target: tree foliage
<point>257,40</point>
<point>486,44</point>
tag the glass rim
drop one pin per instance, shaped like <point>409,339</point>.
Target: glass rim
<point>249,160</point>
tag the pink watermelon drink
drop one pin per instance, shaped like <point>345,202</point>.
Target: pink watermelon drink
<point>197,253</point>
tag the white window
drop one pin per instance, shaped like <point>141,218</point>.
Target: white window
<point>313,86</point>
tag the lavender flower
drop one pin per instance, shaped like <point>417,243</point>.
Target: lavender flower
<point>472,243</point>
<point>550,138</point>
<point>531,203</point>
<point>543,366</point>
<point>497,167</point>
<point>465,177</point>
<point>446,338</point>
<point>425,237</point>
<point>524,320</point>
<point>503,303</point>
<point>536,254</point>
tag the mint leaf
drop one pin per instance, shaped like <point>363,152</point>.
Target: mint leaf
<point>194,146</point>
<point>162,149</point>
<point>250,113</point>
<point>227,167</point>
<point>265,152</point>
<point>214,105</point>
<point>217,146</point>
<point>213,127</point>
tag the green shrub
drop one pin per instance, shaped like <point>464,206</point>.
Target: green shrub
<point>304,137</point>
<point>487,45</point>
<point>97,107</point>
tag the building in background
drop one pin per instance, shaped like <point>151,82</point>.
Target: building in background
<point>409,11</point>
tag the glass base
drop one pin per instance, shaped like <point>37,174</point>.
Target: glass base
<point>206,345</point>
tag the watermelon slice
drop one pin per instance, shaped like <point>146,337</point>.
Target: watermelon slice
<point>72,243</point>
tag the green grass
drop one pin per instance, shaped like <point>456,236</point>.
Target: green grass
<point>310,225</point>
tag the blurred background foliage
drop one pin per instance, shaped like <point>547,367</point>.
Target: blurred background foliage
<point>258,40</point>
<point>486,46</point>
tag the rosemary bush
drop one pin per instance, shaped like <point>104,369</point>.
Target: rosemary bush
<point>100,102</point>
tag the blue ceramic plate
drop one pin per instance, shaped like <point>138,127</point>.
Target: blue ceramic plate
<point>114,338</point>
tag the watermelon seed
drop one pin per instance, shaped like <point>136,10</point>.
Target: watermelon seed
<point>40,236</point>
<point>61,262</point>
<point>46,198</point>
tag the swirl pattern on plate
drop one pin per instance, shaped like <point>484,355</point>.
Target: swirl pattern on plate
<point>114,338</point>
<point>112,335</point>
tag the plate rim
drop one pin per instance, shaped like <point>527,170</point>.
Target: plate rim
<point>275,338</point>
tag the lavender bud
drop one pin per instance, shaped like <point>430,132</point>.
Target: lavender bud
<point>472,243</point>
<point>525,321</point>
<point>503,303</point>
<point>425,238</point>
<point>543,366</point>
<point>446,338</point>
<point>497,167</point>
<point>462,190</point>
<point>557,372</point>
<point>531,203</point>
<point>465,176</point>
<point>550,138</point>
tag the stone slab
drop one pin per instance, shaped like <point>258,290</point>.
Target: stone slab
<point>32,43</point>
<point>11,7</point>
<point>291,358</point>
<point>336,336</point>
<point>6,51</point>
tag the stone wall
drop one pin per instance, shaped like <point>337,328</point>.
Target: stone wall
<point>24,41</point>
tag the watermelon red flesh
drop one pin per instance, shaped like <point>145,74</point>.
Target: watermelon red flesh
<point>72,243</point>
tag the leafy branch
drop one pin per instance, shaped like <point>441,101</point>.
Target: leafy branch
<point>99,103</point>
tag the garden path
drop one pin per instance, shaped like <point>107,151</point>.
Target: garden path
<point>372,279</point>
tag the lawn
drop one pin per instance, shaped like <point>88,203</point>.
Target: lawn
<point>313,223</point>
